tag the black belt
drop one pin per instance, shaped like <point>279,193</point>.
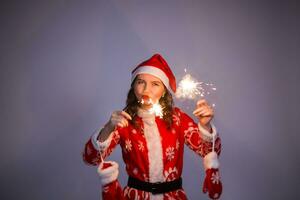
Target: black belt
<point>155,188</point>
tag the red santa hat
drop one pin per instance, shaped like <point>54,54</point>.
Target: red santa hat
<point>158,67</point>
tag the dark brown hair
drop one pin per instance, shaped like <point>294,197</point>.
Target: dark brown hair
<point>166,102</point>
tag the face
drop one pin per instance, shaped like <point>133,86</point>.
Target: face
<point>149,85</point>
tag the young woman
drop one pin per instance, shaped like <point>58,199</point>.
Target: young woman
<point>152,145</point>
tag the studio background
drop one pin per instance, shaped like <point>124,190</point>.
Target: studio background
<point>65,66</point>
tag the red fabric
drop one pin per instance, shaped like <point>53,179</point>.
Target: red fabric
<point>113,190</point>
<point>135,152</point>
<point>90,154</point>
<point>212,183</point>
<point>159,62</point>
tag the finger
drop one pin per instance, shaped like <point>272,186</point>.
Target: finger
<point>120,124</point>
<point>126,115</point>
<point>118,119</point>
<point>121,119</point>
<point>198,110</point>
<point>205,113</point>
<point>124,122</point>
<point>203,108</point>
<point>200,113</point>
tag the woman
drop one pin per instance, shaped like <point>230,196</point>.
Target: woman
<point>152,145</point>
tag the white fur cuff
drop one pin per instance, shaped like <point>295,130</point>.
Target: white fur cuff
<point>100,146</point>
<point>108,174</point>
<point>206,135</point>
<point>95,141</point>
<point>211,161</point>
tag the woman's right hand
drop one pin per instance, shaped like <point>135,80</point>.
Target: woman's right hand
<point>119,118</point>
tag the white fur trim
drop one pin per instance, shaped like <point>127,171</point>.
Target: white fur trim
<point>153,71</point>
<point>100,146</point>
<point>155,151</point>
<point>156,196</point>
<point>211,161</point>
<point>94,139</point>
<point>109,174</point>
<point>206,135</point>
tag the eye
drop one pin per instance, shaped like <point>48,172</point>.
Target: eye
<point>139,81</point>
<point>155,84</point>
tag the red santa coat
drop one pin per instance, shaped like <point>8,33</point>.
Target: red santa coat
<point>154,153</point>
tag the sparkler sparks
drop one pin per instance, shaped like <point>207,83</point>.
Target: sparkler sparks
<point>157,110</point>
<point>190,88</point>
<point>156,107</point>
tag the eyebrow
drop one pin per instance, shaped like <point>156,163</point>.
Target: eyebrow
<point>140,79</point>
<point>156,82</point>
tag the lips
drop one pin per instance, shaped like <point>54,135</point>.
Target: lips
<point>145,97</point>
<point>146,100</point>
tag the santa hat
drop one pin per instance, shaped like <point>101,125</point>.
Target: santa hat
<point>158,67</point>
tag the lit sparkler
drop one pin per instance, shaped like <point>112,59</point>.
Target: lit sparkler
<point>155,108</point>
<point>190,88</point>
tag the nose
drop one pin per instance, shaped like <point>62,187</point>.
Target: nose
<point>146,88</point>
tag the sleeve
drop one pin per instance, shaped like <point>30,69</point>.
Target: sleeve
<point>197,138</point>
<point>95,151</point>
<point>208,146</point>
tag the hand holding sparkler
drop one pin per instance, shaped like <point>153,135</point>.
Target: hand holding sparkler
<point>190,88</point>
<point>117,119</point>
<point>205,113</point>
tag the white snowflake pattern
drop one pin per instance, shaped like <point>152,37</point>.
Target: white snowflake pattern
<point>190,133</point>
<point>133,131</point>
<point>173,131</point>
<point>146,178</point>
<point>170,153</point>
<point>176,119</point>
<point>128,145</point>
<point>171,174</point>
<point>175,195</point>
<point>169,197</point>
<point>135,171</point>
<point>215,178</point>
<point>141,146</point>
<point>105,189</point>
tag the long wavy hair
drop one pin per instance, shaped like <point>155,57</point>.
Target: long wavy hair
<point>132,104</point>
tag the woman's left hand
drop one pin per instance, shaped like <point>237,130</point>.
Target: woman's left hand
<point>204,112</point>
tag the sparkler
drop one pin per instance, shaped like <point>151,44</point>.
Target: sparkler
<point>155,108</point>
<point>190,88</point>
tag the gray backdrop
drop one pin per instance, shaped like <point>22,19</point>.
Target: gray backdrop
<point>65,66</point>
